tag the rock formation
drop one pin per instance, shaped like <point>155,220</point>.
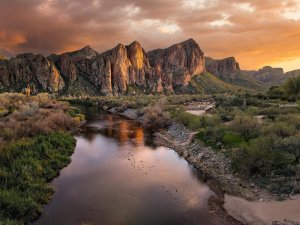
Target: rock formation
<point>174,67</point>
<point>114,72</point>
<point>228,70</point>
<point>222,67</point>
<point>293,73</point>
<point>270,76</point>
<point>30,71</point>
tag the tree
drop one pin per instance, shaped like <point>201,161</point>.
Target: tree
<point>246,125</point>
<point>280,129</point>
<point>292,86</point>
<point>291,145</point>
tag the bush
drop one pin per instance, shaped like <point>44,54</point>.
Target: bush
<point>27,116</point>
<point>259,158</point>
<point>280,129</point>
<point>246,125</point>
<point>155,116</point>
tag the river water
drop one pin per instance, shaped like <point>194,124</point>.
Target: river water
<point>116,179</point>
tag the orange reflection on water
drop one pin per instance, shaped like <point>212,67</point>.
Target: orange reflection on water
<point>109,129</point>
<point>139,136</point>
<point>123,131</point>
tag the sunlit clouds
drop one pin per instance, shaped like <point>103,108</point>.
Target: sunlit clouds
<point>256,32</point>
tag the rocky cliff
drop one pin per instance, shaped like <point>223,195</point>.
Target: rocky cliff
<point>114,72</point>
<point>174,67</point>
<point>222,67</point>
<point>2,57</point>
<point>30,71</point>
<point>228,70</point>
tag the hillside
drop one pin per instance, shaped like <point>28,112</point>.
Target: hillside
<point>209,84</point>
<point>228,70</point>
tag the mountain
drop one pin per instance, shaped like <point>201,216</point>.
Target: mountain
<point>271,76</point>
<point>121,70</point>
<point>293,73</point>
<point>87,72</point>
<point>174,67</point>
<point>29,70</point>
<point>228,70</point>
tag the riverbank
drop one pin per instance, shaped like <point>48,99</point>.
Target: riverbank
<point>213,163</point>
<point>269,213</point>
<point>208,161</point>
<point>255,206</point>
<point>35,144</point>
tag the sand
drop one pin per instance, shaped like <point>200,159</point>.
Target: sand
<point>259,213</point>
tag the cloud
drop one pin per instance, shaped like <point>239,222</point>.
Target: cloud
<point>255,32</point>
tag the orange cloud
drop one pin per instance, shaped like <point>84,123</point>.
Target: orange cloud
<point>256,32</point>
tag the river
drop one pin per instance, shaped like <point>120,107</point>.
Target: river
<point>116,179</point>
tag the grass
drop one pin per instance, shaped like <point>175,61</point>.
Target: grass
<point>233,139</point>
<point>26,167</point>
<point>34,147</point>
<point>189,120</point>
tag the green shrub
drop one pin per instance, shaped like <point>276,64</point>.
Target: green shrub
<point>25,168</point>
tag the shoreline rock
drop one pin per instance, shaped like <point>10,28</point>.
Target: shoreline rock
<point>209,162</point>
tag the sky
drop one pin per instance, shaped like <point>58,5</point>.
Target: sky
<point>256,32</point>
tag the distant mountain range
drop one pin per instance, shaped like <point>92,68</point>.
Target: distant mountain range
<point>180,68</point>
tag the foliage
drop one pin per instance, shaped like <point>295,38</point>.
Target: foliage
<point>28,116</point>
<point>291,145</point>
<point>233,139</point>
<point>292,86</point>
<point>280,129</point>
<point>258,157</point>
<point>245,125</point>
<point>25,168</point>
<point>155,116</point>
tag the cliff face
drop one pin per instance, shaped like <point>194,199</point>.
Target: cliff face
<point>174,67</point>
<point>228,70</point>
<point>222,67</point>
<point>109,73</point>
<point>268,75</point>
<point>29,70</point>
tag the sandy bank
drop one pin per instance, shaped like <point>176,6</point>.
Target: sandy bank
<point>259,213</point>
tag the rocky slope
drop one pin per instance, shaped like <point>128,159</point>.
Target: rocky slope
<point>228,70</point>
<point>114,72</point>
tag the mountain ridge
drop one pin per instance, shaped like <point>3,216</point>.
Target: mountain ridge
<point>121,69</point>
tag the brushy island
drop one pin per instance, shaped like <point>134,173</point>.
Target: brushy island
<point>34,147</point>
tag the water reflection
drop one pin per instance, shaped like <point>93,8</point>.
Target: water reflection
<point>115,179</point>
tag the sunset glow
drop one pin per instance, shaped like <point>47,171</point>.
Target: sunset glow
<point>256,32</point>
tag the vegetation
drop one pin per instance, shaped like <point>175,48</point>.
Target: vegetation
<point>154,115</point>
<point>34,146</point>
<point>258,134</point>
<point>208,83</point>
<point>25,168</point>
<point>290,90</point>
<point>29,116</point>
